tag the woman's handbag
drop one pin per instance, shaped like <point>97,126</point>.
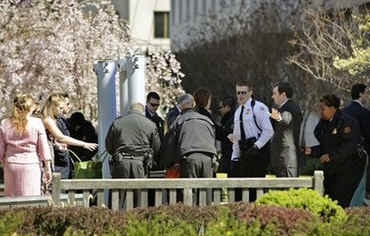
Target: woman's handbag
<point>88,169</point>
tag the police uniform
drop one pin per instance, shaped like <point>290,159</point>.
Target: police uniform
<point>256,124</point>
<point>339,138</point>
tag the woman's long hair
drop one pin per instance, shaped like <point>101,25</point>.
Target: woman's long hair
<point>23,104</point>
<point>50,107</point>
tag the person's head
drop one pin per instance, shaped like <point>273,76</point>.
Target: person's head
<point>281,92</point>
<point>226,104</point>
<point>137,107</point>
<point>67,105</point>
<point>153,101</point>
<point>202,98</point>
<point>54,105</point>
<point>244,91</point>
<point>76,120</point>
<point>186,102</point>
<point>358,91</point>
<point>329,104</point>
<point>23,105</point>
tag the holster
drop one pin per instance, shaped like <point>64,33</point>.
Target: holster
<point>246,144</point>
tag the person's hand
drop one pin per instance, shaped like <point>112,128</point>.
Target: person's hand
<point>307,151</point>
<point>324,158</point>
<point>275,114</point>
<point>90,146</point>
<point>47,176</point>
<point>253,151</point>
<point>230,137</point>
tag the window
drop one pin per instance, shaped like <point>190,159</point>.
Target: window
<point>161,25</point>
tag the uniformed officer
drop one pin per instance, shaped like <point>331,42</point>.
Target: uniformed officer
<point>251,135</point>
<point>192,136</point>
<point>339,137</point>
<point>132,140</point>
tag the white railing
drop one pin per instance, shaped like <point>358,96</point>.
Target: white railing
<point>170,187</point>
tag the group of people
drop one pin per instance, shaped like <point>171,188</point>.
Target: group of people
<point>253,139</point>
<point>35,141</point>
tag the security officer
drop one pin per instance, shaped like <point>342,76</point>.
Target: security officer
<point>251,135</point>
<point>132,140</point>
<point>193,135</point>
<point>339,137</point>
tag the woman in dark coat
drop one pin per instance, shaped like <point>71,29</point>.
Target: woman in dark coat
<point>339,138</point>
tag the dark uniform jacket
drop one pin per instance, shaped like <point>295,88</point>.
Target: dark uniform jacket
<point>342,174</point>
<point>191,132</point>
<point>172,115</point>
<point>227,126</point>
<point>285,143</point>
<point>338,138</point>
<point>133,134</point>
<point>362,115</point>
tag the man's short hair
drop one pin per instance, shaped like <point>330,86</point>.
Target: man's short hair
<point>153,95</point>
<point>356,90</point>
<point>186,99</point>
<point>331,100</point>
<point>137,107</point>
<point>285,87</point>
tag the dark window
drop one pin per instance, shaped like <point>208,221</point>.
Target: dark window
<point>161,25</point>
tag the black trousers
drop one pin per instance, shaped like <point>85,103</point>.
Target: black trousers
<point>128,169</point>
<point>250,166</point>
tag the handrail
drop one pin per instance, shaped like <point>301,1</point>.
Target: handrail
<point>159,186</point>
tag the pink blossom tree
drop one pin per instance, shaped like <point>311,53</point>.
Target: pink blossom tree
<point>51,45</point>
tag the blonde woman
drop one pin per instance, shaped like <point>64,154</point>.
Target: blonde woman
<point>58,133</point>
<point>23,145</point>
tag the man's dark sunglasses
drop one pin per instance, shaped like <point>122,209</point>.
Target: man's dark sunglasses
<point>154,104</point>
<point>241,92</point>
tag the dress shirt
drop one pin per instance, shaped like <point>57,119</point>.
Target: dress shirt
<point>262,114</point>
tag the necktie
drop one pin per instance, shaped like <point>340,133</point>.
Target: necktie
<point>242,133</point>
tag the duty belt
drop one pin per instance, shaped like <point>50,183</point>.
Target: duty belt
<point>121,156</point>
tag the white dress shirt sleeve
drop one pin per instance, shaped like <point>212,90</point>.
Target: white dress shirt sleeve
<point>263,120</point>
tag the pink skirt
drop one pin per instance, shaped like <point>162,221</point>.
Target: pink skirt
<point>22,179</point>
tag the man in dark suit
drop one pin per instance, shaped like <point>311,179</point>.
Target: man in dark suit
<point>287,121</point>
<point>357,110</point>
<point>152,105</point>
<point>173,113</point>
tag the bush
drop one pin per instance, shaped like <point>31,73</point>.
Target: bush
<point>233,219</point>
<point>305,199</point>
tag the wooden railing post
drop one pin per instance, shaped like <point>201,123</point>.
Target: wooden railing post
<point>56,188</point>
<point>318,181</point>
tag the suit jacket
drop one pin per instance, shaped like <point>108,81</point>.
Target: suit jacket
<point>362,115</point>
<point>159,122</point>
<point>285,143</point>
<point>172,114</point>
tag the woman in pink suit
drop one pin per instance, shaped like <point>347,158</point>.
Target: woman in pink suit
<point>23,146</point>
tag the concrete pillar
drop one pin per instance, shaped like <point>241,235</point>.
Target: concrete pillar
<point>107,111</point>
<point>136,79</point>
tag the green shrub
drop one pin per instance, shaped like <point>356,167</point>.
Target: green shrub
<point>308,200</point>
<point>229,225</point>
<point>10,221</point>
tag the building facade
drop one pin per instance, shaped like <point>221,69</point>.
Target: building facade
<point>186,15</point>
<point>149,21</point>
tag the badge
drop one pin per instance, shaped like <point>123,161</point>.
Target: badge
<point>248,111</point>
<point>347,130</point>
<point>334,131</point>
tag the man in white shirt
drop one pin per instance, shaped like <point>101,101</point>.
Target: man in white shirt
<point>251,135</point>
